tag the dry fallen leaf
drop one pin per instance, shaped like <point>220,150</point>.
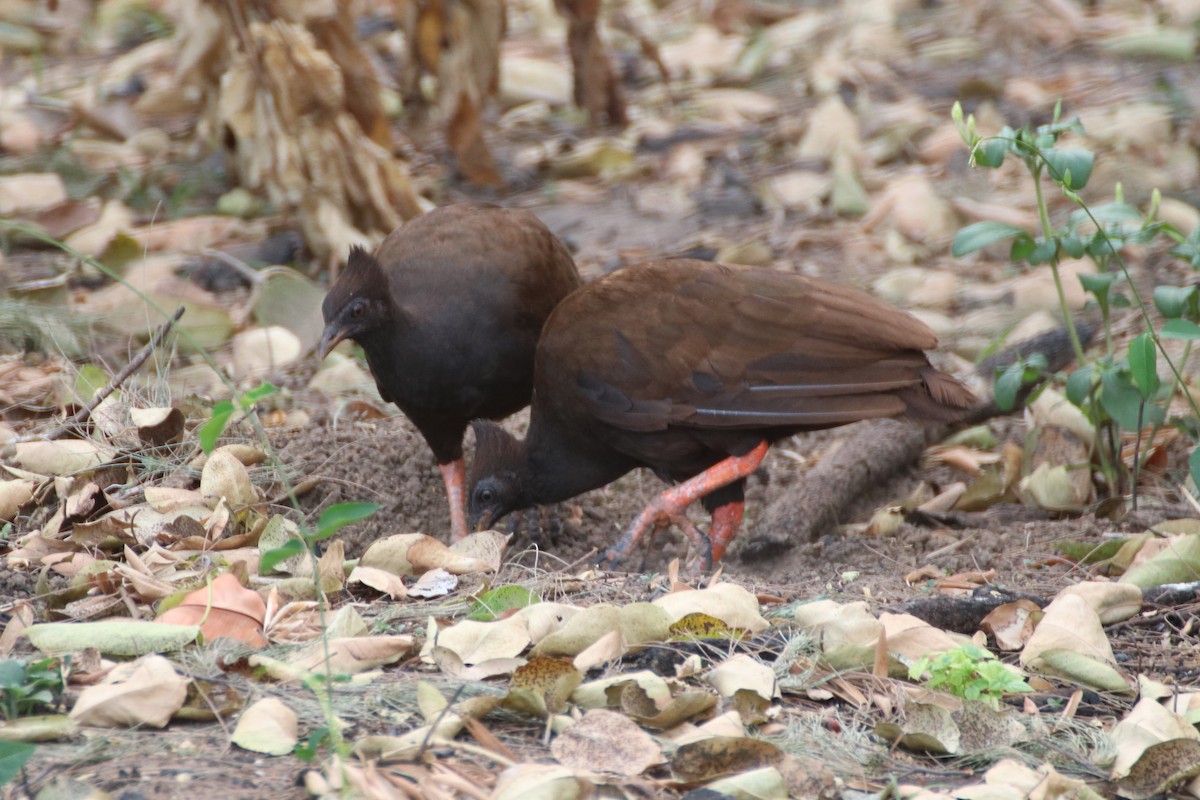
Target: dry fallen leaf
<point>267,727</point>
<point>144,692</point>
<point>607,741</point>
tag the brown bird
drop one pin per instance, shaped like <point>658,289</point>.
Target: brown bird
<point>692,369</point>
<point>448,311</point>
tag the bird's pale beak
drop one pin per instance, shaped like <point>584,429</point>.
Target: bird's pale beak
<point>484,523</point>
<point>333,336</point>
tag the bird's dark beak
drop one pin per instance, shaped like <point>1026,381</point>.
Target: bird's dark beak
<point>330,340</point>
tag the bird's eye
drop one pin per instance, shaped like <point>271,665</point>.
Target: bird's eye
<point>359,309</point>
<point>486,495</point>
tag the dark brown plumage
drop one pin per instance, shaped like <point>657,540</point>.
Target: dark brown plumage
<point>692,369</point>
<point>448,311</point>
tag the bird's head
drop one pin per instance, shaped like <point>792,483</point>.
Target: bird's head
<point>358,303</point>
<point>496,484</point>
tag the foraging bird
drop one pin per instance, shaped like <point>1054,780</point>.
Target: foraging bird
<point>692,369</point>
<point>448,310</point>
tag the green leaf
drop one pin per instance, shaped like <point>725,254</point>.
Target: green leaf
<point>13,756</point>
<point>1194,466</point>
<point>1124,403</point>
<point>1098,283</point>
<point>495,602</point>
<point>340,515</point>
<point>1022,246</point>
<point>1143,365</point>
<point>1079,385</point>
<point>1008,384</point>
<point>1175,301</point>
<point>981,234</point>
<point>990,153</point>
<point>1070,166</point>
<point>209,432</point>
<point>260,392</point>
<point>1072,246</point>
<point>272,558</point>
<point>1043,252</point>
<point>1180,329</point>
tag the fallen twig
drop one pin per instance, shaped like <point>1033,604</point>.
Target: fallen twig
<point>138,359</point>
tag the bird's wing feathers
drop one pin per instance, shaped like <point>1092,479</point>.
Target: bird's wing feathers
<point>731,348</point>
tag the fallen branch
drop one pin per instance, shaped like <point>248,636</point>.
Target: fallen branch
<point>138,359</point>
<point>874,452</point>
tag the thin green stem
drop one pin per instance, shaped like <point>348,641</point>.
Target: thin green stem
<point>1044,217</point>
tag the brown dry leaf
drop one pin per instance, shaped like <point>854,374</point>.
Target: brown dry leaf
<point>13,495</point>
<point>912,638</point>
<point>542,781</point>
<point>743,672</point>
<point>702,761</point>
<point>1070,642</point>
<point>681,704</point>
<point>258,351</point>
<point>61,456</point>
<point>1112,602</point>
<point>608,647</point>
<point>379,580</point>
<point>226,477</point>
<point>607,741</point>
<point>1148,724</point>
<point>476,642</point>
<point>158,426</point>
<point>542,686</point>
<point>144,692</point>
<point>223,608</point>
<point>22,616</point>
<point>415,553</point>
<point>350,656</point>
<point>267,727</point>
<point>1161,768</point>
<point>728,602</point>
<point>30,192</point>
<point>1011,624</point>
<point>434,583</point>
<point>637,622</point>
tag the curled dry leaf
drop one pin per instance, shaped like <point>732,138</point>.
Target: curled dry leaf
<point>1112,602</point>
<point>477,642</point>
<point>226,477</point>
<point>1148,724</point>
<point>145,692</point>
<point>728,602</point>
<point>548,781</point>
<point>607,741</point>
<point>350,656</point>
<point>13,495</point>
<point>434,583</point>
<point>1070,642</point>
<point>268,727</point>
<point>416,553</point>
<point>158,426</point>
<point>681,704</point>
<point>379,580</point>
<point>743,672</point>
<point>258,351</point>
<point>1011,624</point>
<point>542,686</point>
<point>61,457</point>
<point>223,608</point>
<point>637,622</point>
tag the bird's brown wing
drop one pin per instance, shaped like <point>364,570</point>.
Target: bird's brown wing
<point>694,344</point>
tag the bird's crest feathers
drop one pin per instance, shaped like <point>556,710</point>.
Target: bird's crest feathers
<point>496,451</point>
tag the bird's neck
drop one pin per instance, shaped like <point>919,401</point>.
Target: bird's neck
<point>559,466</point>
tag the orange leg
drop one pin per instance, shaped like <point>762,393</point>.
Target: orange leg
<point>726,520</point>
<point>670,506</point>
<point>454,474</point>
